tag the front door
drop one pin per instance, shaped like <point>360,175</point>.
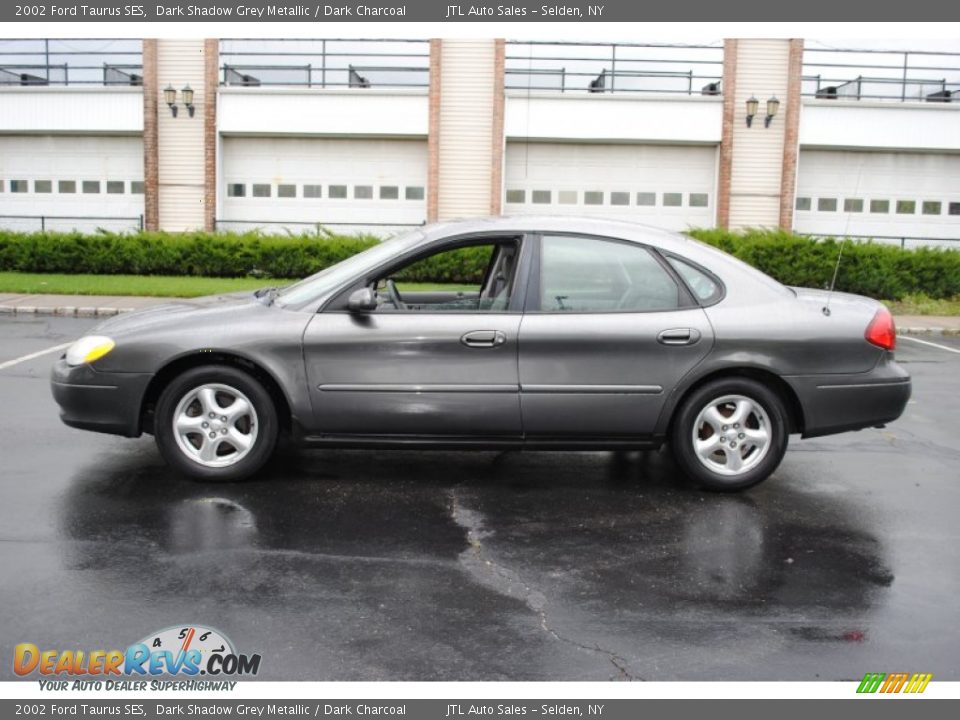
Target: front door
<point>437,358</point>
<point>607,334</point>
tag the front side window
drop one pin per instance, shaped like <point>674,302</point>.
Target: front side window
<point>475,278</point>
<point>584,274</point>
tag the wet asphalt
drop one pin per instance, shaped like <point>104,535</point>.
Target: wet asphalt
<point>408,565</point>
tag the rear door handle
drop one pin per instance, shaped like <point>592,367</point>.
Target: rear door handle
<point>484,339</point>
<point>678,336</point>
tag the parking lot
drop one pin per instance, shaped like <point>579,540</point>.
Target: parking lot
<point>372,565</point>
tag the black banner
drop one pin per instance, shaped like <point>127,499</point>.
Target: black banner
<point>445,11</point>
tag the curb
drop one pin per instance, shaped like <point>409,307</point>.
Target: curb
<point>928,331</point>
<point>62,311</point>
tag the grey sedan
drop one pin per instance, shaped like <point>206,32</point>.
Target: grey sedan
<point>536,333</point>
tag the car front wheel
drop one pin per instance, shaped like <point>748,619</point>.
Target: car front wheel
<point>730,434</point>
<point>216,423</point>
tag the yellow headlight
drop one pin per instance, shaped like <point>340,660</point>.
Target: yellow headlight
<point>90,348</point>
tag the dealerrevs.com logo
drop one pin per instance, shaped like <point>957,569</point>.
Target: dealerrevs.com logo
<point>185,651</point>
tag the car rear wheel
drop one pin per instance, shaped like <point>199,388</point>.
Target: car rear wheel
<point>730,434</point>
<point>216,423</point>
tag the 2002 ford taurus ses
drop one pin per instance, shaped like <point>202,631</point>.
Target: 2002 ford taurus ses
<point>576,334</point>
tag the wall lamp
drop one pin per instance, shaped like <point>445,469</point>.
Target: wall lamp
<point>170,97</point>
<point>753,106</point>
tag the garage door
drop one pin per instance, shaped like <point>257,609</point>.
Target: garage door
<point>666,186</point>
<point>295,183</point>
<point>64,182</point>
<point>892,195</point>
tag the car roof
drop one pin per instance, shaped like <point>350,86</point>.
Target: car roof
<point>622,229</point>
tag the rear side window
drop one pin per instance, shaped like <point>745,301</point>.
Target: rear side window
<point>703,286</point>
<point>585,274</point>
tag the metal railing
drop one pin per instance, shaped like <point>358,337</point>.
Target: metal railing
<point>45,62</point>
<point>894,75</point>
<point>582,67</point>
<point>68,222</point>
<point>325,63</point>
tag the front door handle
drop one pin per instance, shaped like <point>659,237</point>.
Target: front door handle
<point>678,336</point>
<point>484,339</point>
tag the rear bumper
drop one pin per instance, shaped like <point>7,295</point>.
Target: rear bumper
<point>838,403</point>
<point>102,402</point>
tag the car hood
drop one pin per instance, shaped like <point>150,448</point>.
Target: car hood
<point>208,307</point>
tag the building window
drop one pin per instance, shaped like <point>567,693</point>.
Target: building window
<point>114,187</point>
<point>389,192</point>
<point>236,190</point>
<point>90,187</point>
<point>803,203</point>
<point>516,196</point>
<point>827,204</point>
<point>363,192</point>
<point>619,198</point>
<point>541,197</point>
<point>136,187</point>
<point>672,199</point>
<point>906,207</point>
<point>852,205</point>
<point>313,191</point>
<point>42,186</point>
<point>567,197</point>
<point>646,199</point>
<point>337,192</point>
<point>18,186</point>
<point>931,207</point>
<point>286,191</point>
<point>261,190</point>
<point>953,208</point>
<point>699,199</point>
<point>66,186</point>
<point>880,206</point>
<point>414,192</point>
<point>592,197</point>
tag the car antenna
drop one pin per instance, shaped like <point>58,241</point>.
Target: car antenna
<point>846,237</point>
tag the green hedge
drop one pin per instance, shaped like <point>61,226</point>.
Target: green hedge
<point>880,271</point>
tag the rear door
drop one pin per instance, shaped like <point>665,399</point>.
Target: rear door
<point>607,333</point>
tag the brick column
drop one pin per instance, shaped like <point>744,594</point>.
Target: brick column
<point>211,52</point>
<point>728,87</point>
<point>151,161</point>
<point>791,147</point>
<point>433,137</point>
<point>496,172</point>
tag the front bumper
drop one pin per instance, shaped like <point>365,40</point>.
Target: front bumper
<point>838,403</point>
<point>99,401</point>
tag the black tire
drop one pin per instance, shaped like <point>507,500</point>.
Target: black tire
<point>264,440</point>
<point>682,442</point>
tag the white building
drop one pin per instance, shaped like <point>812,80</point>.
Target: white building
<point>378,135</point>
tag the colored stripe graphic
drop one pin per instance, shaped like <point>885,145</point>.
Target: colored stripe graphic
<point>895,683</point>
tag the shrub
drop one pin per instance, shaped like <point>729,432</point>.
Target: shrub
<point>879,271</point>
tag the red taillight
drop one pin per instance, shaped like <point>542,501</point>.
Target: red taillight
<point>881,331</point>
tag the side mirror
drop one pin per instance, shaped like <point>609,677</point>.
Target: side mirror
<point>362,300</point>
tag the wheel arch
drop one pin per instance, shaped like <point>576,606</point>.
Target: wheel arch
<point>795,416</point>
<point>182,363</point>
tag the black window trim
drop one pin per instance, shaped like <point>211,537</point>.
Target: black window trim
<point>686,299</point>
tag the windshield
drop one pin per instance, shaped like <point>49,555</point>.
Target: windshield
<point>329,279</point>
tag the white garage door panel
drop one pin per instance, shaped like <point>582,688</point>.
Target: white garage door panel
<point>380,167</point>
<point>931,182</point>
<point>65,163</point>
<point>613,181</point>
